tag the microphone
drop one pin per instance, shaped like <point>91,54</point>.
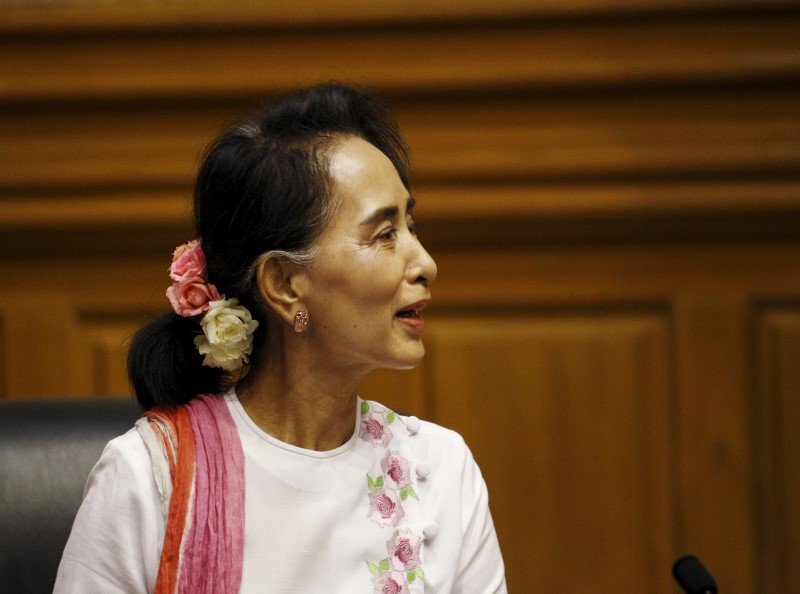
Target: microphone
<point>692,576</point>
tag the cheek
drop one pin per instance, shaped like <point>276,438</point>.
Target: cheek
<point>356,291</point>
<point>369,296</point>
<point>370,281</point>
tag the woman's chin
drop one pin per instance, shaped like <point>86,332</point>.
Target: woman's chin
<point>411,358</point>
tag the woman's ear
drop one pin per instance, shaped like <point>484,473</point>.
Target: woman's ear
<point>280,283</point>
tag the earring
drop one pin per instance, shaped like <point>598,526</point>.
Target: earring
<point>301,321</point>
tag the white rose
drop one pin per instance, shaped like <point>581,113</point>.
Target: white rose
<point>227,335</point>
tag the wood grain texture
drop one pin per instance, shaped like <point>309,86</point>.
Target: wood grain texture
<point>563,411</point>
<point>778,332</point>
<point>525,53</point>
<point>79,18</point>
<point>714,409</point>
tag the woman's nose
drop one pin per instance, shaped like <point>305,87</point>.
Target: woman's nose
<point>422,268</point>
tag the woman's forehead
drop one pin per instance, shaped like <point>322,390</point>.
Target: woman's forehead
<point>364,179</point>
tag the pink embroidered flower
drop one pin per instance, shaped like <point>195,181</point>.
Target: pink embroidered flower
<point>389,582</point>
<point>188,260</point>
<point>374,429</point>
<point>397,470</point>
<point>385,507</point>
<point>190,296</point>
<point>403,550</point>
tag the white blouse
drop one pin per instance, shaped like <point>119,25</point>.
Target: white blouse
<point>400,508</point>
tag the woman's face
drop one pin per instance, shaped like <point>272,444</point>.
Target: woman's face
<point>371,277</point>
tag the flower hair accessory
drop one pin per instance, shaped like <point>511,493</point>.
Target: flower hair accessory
<point>228,327</point>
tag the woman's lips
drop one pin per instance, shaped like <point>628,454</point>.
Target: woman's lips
<point>416,323</point>
<point>411,315</point>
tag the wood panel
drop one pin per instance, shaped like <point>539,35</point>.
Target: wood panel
<point>563,411</point>
<point>699,167</point>
<point>778,330</point>
<point>84,17</point>
<point>100,345</point>
<point>65,321</point>
<point>35,352</point>
<point>717,454</point>
<point>510,137</point>
<point>253,60</point>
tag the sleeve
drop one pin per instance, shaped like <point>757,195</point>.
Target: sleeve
<point>481,568</point>
<point>116,539</point>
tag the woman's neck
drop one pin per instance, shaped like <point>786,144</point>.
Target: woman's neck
<point>302,403</point>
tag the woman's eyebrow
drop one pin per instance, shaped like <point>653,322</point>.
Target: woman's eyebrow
<point>387,212</point>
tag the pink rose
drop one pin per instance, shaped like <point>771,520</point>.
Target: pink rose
<point>190,296</point>
<point>403,550</point>
<point>389,582</point>
<point>188,260</point>
<point>396,470</point>
<point>384,507</point>
<point>374,429</point>
<point>181,249</point>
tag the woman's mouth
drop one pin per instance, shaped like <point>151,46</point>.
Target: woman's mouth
<point>412,316</point>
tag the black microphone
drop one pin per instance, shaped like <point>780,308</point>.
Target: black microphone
<point>692,576</point>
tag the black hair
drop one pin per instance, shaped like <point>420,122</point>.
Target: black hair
<point>263,186</point>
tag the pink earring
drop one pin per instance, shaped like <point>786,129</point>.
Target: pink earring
<point>301,321</point>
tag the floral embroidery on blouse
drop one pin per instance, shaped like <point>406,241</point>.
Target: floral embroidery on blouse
<point>387,493</point>
<point>396,470</point>
<point>384,505</point>
<point>375,426</point>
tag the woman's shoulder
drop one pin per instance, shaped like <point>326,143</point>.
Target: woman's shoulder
<point>125,454</point>
<point>127,445</point>
<point>379,422</point>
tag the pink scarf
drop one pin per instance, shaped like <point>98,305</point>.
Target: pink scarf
<point>198,464</point>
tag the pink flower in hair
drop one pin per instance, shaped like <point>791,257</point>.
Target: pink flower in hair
<point>228,327</point>
<point>188,260</point>
<point>191,295</point>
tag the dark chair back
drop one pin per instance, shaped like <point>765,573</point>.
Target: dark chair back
<point>47,449</point>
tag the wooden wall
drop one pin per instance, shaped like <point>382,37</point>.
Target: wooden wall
<point>611,189</point>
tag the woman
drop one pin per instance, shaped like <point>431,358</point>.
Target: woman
<point>307,274</point>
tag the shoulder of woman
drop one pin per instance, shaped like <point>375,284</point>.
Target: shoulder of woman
<point>424,438</point>
<point>124,455</point>
<point>436,439</point>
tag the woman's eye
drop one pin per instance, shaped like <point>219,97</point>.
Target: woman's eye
<point>390,234</point>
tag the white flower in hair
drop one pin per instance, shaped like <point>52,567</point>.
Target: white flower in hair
<point>227,337</point>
